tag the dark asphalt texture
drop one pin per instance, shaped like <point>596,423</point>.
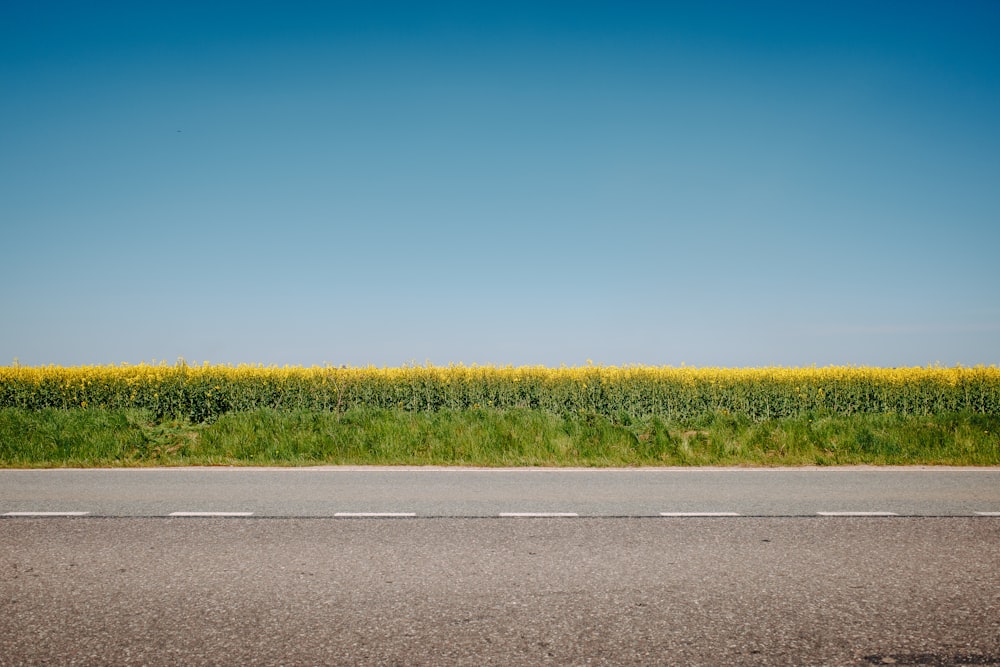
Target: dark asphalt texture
<point>480,591</point>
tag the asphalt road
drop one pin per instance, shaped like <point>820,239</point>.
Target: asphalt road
<point>463,492</point>
<point>491,591</point>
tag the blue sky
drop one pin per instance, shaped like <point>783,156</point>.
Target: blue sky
<point>709,183</point>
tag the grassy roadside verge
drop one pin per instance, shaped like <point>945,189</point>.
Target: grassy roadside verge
<point>482,437</point>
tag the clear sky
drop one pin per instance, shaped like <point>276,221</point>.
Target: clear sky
<point>710,183</point>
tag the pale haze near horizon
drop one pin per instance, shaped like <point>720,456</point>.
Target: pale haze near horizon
<point>730,184</point>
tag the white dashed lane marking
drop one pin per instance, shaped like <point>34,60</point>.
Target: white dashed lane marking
<point>684,514</point>
<point>46,513</point>
<point>347,515</point>
<point>188,514</point>
<point>987,513</point>
<point>857,513</point>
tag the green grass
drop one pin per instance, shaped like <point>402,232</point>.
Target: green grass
<point>484,437</point>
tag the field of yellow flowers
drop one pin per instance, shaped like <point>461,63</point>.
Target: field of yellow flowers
<point>203,393</point>
<point>182,414</point>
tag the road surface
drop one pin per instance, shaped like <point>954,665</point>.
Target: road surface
<point>490,591</point>
<point>455,570</point>
<point>463,492</point>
